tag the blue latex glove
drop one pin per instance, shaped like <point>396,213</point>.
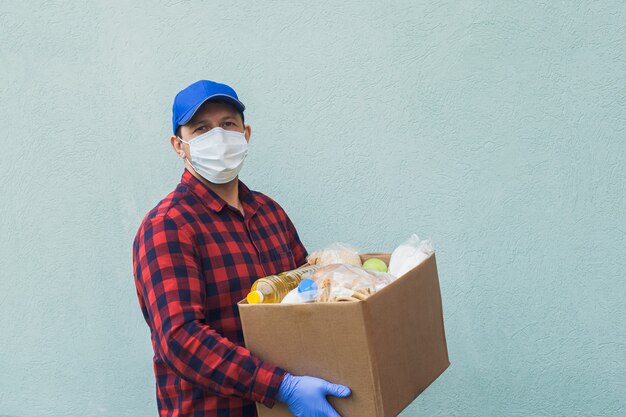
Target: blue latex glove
<point>306,396</point>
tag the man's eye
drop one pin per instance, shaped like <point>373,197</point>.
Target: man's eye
<point>228,124</point>
<point>201,128</point>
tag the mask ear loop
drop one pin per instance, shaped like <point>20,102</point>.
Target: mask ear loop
<point>185,158</point>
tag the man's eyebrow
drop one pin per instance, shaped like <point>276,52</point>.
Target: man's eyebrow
<point>197,122</point>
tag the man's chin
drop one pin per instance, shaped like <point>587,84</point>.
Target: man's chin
<point>223,184</point>
<point>208,182</point>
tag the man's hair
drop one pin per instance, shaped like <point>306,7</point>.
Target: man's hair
<point>243,120</point>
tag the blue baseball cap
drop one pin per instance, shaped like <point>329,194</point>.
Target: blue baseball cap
<point>189,100</point>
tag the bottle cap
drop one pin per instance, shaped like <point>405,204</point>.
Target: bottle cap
<point>255,297</point>
<point>307,289</point>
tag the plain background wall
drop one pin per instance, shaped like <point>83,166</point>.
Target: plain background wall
<point>494,128</point>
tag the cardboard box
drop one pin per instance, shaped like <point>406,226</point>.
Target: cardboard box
<point>387,349</point>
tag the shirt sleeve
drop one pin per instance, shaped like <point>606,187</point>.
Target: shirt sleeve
<point>297,248</point>
<point>174,295</point>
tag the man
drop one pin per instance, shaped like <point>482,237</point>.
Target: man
<point>197,253</point>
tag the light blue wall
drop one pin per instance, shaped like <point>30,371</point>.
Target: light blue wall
<point>496,128</point>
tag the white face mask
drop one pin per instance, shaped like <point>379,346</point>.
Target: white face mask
<point>218,154</point>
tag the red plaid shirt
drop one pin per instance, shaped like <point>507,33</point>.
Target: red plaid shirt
<point>194,258</point>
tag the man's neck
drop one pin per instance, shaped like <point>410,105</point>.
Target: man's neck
<point>229,192</point>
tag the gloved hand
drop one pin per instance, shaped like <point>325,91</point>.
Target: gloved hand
<point>306,396</point>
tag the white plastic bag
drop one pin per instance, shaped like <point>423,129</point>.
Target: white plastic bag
<point>409,254</point>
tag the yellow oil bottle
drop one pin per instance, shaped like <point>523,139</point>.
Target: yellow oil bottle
<point>273,288</point>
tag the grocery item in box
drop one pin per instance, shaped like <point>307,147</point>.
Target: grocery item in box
<point>337,253</point>
<point>409,254</point>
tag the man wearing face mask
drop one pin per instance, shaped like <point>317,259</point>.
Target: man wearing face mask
<point>197,253</point>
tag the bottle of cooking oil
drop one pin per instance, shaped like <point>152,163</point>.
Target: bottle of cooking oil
<point>273,288</point>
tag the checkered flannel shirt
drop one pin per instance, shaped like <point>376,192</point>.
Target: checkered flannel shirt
<point>194,258</point>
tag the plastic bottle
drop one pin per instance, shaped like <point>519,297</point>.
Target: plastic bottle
<point>273,288</point>
<point>307,290</point>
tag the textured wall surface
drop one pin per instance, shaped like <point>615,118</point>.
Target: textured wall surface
<point>495,128</point>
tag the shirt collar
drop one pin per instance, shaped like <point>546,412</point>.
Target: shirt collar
<point>209,198</point>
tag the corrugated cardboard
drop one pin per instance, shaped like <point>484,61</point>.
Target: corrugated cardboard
<point>387,349</point>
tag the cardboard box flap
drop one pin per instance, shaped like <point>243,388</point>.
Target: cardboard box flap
<point>403,373</point>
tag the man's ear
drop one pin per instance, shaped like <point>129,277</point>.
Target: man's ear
<point>247,132</point>
<point>177,145</point>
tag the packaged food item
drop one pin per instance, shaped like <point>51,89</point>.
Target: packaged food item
<point>409,254</point>
<point>345,282</point>
<point>273,288</point>
<point>337,253</point>
<point>342,280</point>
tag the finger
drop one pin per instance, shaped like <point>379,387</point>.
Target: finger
<point>337,390</point>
